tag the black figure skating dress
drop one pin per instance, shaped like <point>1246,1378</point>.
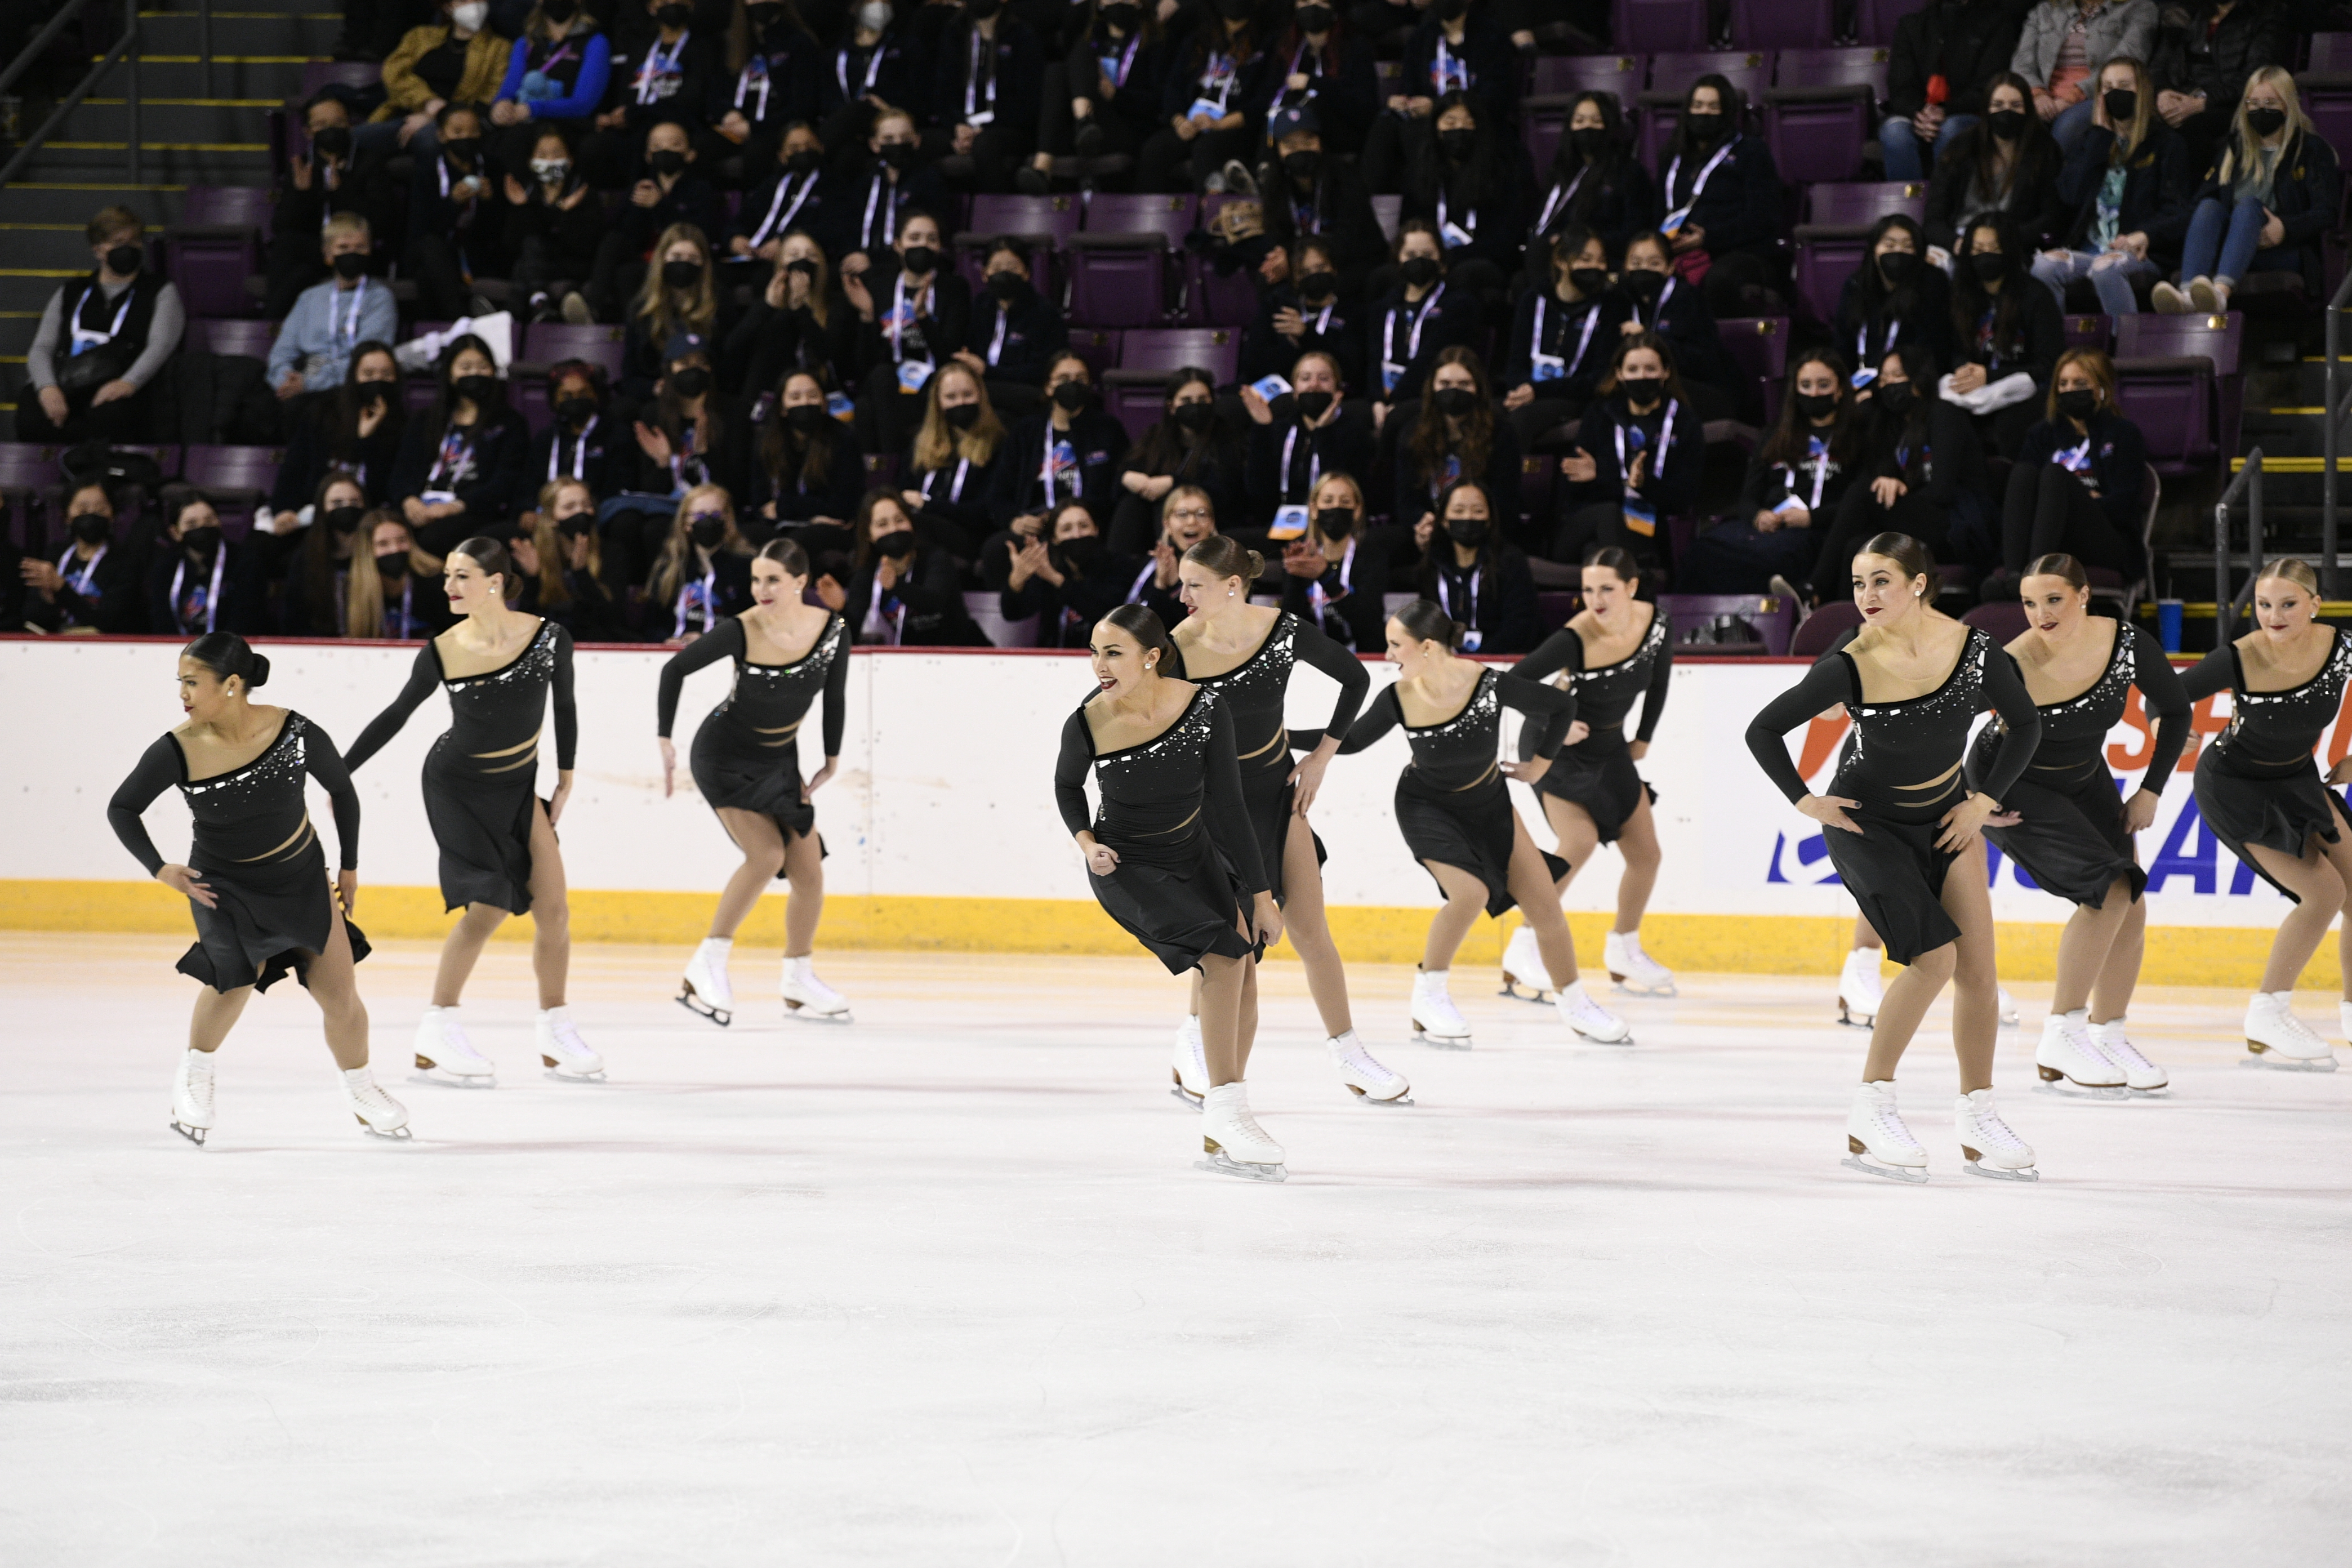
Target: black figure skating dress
<point>1597,773</point>
<point>747,752</point>
<point>1252,692</point>
<point>2257,782</point>
<point>1171,807</point>
<point>1902,763</point>
<point>1452,804</point>
<point>480,776</point>
<point>256,849</point>
<point>2073,841</point>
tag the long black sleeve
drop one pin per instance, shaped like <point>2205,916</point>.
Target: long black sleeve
<point>724,641</point>
<point>567,716</point>
<point>1563,650</point>
<point>1380,715</point>
<point>1831,682</point>
<point>1070,773</point>
<point>2167,701</point>
<point>424,679</point>
<point>2215,673</point>
<point>1653,700</point>
<point>1228,817</point>
<point>327,765</point>
<point>158,769</point>
<point>836,697</point>
<point>1313,647</point>
<point>1542,705</point>
<point>2005,684</point>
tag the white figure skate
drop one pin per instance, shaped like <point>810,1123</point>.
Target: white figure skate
<point>1858,992</point>
<point>1523,964</point>
<point>1990,1147</point>
<point>1876,1141</point>
<point>810,999</point>
<point>1188,1067</point>
<point>1633,970</point>
<point>1366,1078</point>
<point>379,1115</point>
<point>2279,1039</point>
<point>562,1052</point>
<point>2072,1063</point>
<point>445,1056</point>
<point>1234,1141</point>
<point>191,1096</point>
<point>2009,1014</point>
<point>705,991</point>
<point>1436,1021</point>
<point>1590,1019</point>
<point>2142,1076</point>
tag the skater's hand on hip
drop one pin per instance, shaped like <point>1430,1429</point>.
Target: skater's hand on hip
<point>1577,730</point>
<point>1101,859</point>
<point>181,879</point>
<point>2139,811</point>
<point>669,768</point>
<point>1637,751</point>
<point>1267,920</point>
<point>818,782</point>
<point>1528,772</point>
<point>1830,810</point>
<point>1964,822</point>
<point>347,892</point>
<point>555,802</point>
<point>2341,772</point>
<point>1307,780</point>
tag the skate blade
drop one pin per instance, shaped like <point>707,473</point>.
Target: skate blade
<point>2260,1056</point>
<point>1183,1096</point>
<point>1583,1038</point>
<point>1224,1164</point>
<point>193,1134</point>
<point>1440,1042</point>
<point>559,1076</point>
<point>2162,1091</point>
<point>1536,993</point>
<point>2065,1088</point>
<point>800,1011</point>
<point>2028,1173</point>
<point>1363,1098</point>
<point>1908,1176</point>
<point>443,1077</point>
<point>694,1003</point>
<point>399,1134</point>
<point>1852,1021</point>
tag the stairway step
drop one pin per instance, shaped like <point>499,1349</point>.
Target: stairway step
<point>273,76</point>
<point>46,245</point>
<point>244,32</point>
<point>203,164</point>
<point>58,199</point>
<point>174,120</point>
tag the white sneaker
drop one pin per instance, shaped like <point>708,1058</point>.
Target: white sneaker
<point>1590,1019</point>
<point>2280,1040</point>
<point>1366,1078</point>
<point>1877,1140</point>
<point>1986,1142</point>
<point>2202,295</point>
<point>1858,992</point>
<point>562,1052</point>
<point>807,997</point>
<point>705,991</point>
<point>1629,966</point>
<point>2008,1015</point>
<point>191,1096</point>
<point>2141,1076</point>
<point>445,1056</point>
<point>1234,1141</point>
<point>379,1115</point>
<point>1436,1019</point>
<point>1523,964</point>
<point>2071,1063</point>
<point>1190,1065</point>
<point>2168,300</point>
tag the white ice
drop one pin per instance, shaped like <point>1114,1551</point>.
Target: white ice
<point>943,1288</point>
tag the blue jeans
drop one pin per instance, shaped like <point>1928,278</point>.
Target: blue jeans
<point>2112,281</point>
<point>2224,243</point>
<point>382,137</point>
<point>2071,126</point>
<point>1907,157</point>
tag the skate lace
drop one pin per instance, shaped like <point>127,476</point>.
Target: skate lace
<point>1585,1010</point>
<point>1994,1131</point>
<point>2125,1052</point>
<point>1360,1060</point>
<point>567,1039</point>
<point>1891,1125</point>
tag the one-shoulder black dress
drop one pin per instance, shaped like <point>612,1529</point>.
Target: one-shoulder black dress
<point>1902,763</point>
<point>1597,773</point>
<point>2257,782</point>
<point>1188,861</point>
<point>747,752</point>
<point>2072,840</point>
<point>1450,802</point>
<point>1253,693</point>
<point>256,849</point>
<point>482,773</point>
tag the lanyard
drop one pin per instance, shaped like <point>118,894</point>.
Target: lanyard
<point>872,69</point>
<point>1658,312</point>
<point>83,338</point>
<point>1818,455</point>
<point>406,623</point>
<point>902,316</point>
<point>1413,337</point>
<point>2073,459</point>
<point>707,591</point>
<point>1470,223</point>
<point>1700,184</point>
<point>1446,597</point>
<point>1135,589</point>
<point>455,459</point>
<point>866,238</point>
<point>1321,600</point>
<point>1045,469</point>
<point>1314,464</point>
<point>755,70</point>
<point>562,51</point>
<point>212,594</point>
<point>974,113</point>
<point>1558,201</point>
<point>1535,344</point>
<point>1666,439</point>
<point>1305,52</point>
<point>656,69</point>
<point>955,486</point>
<point>579,452</point>
<point>996,343</point>
<point>1862,347</point>
<point>890,622</point>
<point>1218,77</point>
<point>1444,69</point>
<point>1116,66</point>
<point>780,217</point>
<point>350,328</point>
<point>81,584</point>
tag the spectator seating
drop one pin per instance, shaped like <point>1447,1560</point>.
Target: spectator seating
<point>1781,24</point>
<point>2178,378</point>
<point>1772,618</point>
<point>1647,26</point>
<point>1759,346</point>
<point>1829,242</point>
<point>1821,108</point>
<point>1823,627</point>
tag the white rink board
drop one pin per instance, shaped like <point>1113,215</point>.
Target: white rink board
<point>945,786</point>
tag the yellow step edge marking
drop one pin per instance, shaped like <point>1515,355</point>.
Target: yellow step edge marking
<point>146,146</point>
<point>79,186</point>
<point>42,271</point>
<point>2291,465</point>
<point>188,102</point>
<point>234,59</point>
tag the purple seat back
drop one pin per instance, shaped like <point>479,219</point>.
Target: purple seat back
<point>231,468</point>
<point>2002,619</point>
<point>1568,75</point>
<point>1137,404</point>
<point>25,467</point>
<point>1875,20</point>
<point>1122,287</point>
<point>1818,141</point>
<point>247,205</point>
<point>2330,52</point>
<point>1647,26</point>
<point>2174,410</point>
<point>2216,338</point>
<point>1221,299</point>
<point>1556,607</point>
<point>1864,66</point>
<point>251,338</point>
<point>1054,217</point>
<point>1864,202</point>
<point>1817,631</point>
<point>551,342</point>
<point>1781,24</point>
<point>1749,70</point>
<point>1170,216</point>
<point>1217,350</point>
<point>2090,332</point>
<point>1772,617</point>
<point>1759,346</point>
<point>529,394</point>
<point>210,270</point>
<point>1097,347</point>
<point>1823,264</point>
<point>167,459</point>
<point>1542,123</point>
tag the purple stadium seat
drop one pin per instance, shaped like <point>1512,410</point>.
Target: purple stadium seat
<point>245,204</point>
<point>2089,333</point>
<point>167,459</point>
<point>1829,245</point>
<point>1774,619</point>
<point>1875,20</point>
<point>348,73</point>
<point>972,257</point>
<point>1117,279</point>
<point>1565,76</point>
<point>2177,377</point>
<point>250,338</point>
<point>26,472</point>
<point>1099,348</point>
<point>1542,123</point>
<point>529,395</point>
<point>216,245</point>
<point>1671,76</point>
<point>1217,350</point>
<point>1215,299</point>
<point>1647,26</point>
<point>2326,92</point>
<point>1781,24</point>
<point>1760,345</point>
<point>551,342</point>
<point>1823,106</point>
<point>1135,401</point>
<point>236,479</point>
<point>1823,627</point>
<point>2003,619</point>
<point>1859,203</point>
<point>1056,216</point>
<point>1170,216</point>
<point>2329,52</point>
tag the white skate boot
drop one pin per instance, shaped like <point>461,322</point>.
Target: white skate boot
<point>1366,1078</point>
<point>1858,992</point>
<point>379,1115</point>
<point>2009,1014</point>
<point>1189,1067</point>
<point>1876,1141</point>
<point>1590,1019</point>
<point>2279,1039</point>
<point>1523,964</point>
<point>810,999</point>
<point>2072,1063</point>
<point>1633,970</point>
<point>191,1096</point>
<point>445,1056</point>
<point>705,991</point>
<point>1986,1142</point>
<point>1436,1021</point>
<point>1234,1141</point>
<point>562,1052</point>
<point>2141,1076</point>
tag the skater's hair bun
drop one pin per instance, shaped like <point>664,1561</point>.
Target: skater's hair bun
<point>2298,572</point>
<point>1915,558</point>
<point>1425,620</point>
<point>1617,559</point>
<point>2058,563</point>
<point>1220,554</point>
<point>1146,628</point>
<point>787,554</point>
<point>491,556</point>
<point>227,653</point>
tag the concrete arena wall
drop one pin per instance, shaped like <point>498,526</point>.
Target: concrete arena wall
<point>942,832</point>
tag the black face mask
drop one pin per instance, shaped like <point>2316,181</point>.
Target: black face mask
<point>1641,283</point>
<point>806,416</point>
<point>1005,286</point>
<point>1317,287</point>
<point>575,410</point>
<point>666,161</point>
<point>1895,396</point>
<point>1896,267</point>
<point>1312,405</point>
<point>681,274</point>
<point>1457,143</point>
<point>919,260</point>
<point>897,155</point>
<point>2079,404</point>
<point>123,259</point>
<point>374,394</point>
<point>481,391</point>
<point>332,142</point>
<point>692,382</point>
<point>705,532</point>
<point>674,15</point>
<point>393,565</point>
<point>1453,401</point>
<point>1703,128</point>
<point>97,528</point>
<point>804,162</point>
<point>2008,124</point>
<point>1085,553</point>
<point>1989,266</point>
<point>1420,271</point>
<point>1816,404</point>
<point>1466,529</point>
<point>1072,395</point>
<point>1641,389</point>
<point>1303,165</point>
<point>462,149</point>
<point>1193,416</point>
<point>1336,522</point>
<point>802,266</point>
<point>579,525</point>
<point>343,520</point>
<point>2266,122</point>
<point>961,416</point>
<point>1589,281</point>
<point>350,264</point>
<point>1589,142</point>
<point>2121,103</point>
<point>560,11</point>
<point>898,546</point>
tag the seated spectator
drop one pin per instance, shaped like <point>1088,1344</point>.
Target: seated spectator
<point>868,69</point>
<point>797,192</point>
<point>1306,313</point>
<point>2126,182</point>
<point>799,320</point>
<point>1321,65</point>
<point>2008,332</point>
<point>317,567</point>
<point>1189,443</point>
<point>988,76</point>
<point>201,583</point>
<point>93,588</point>
<point>773,63</point>
<point>392,588</point>
<point>465,464</point>
<point>332,175</point>
<point>913,311</point>
<point>1308,432</point>
<point>668,203</point>
<point>1658,301</point>
<point>1723,201</point>
<point>888,188</point>
<point>1069,448</point>
<point>450,59</point>
<point>589,608</point>
<point>314,347</point>
<point>678,294</point>
<point>2205,53</point>
<point>1466,179</point>
<point>1068,582</point>
<point>2080,482</point>
<point>356,427</point>
<point>1103,100</point>
<point>1561,336</point>
<point>905,593</point>
<point>667,80</point>
<point>1187,516</point>
<point>1459,46</point>
<point>1478,576</point>
<point>691,434</point>
<point>1595,182</point>
<point>103,339</point>
<point>1417,320</point>
<point>2271,198</point>
<point>1941,59</point>
<point>1313,196</point>
<point>2006,163</point>
<point>555,77</point>
<point>554,224</point>
<point>1333,577</point>
<point>1014,330</point>
<point>1204,137</point>
<point>704,573</point>
<point>457,229</point>
<point>1639,451</point>
<point>2067,43</point>
<point>1795,479</point>
<point>580,442</point>
<point>1453,434</point>
<point>1894,296</point>
<point>807,468</point>
<point>951,473</point>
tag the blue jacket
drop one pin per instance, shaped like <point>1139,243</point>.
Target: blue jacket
<point>319,325</point>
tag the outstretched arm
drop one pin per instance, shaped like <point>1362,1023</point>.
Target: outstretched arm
<point>1654,699</point>
<point>2215,673</point>
<point>1070,767</point>
<point>1313,648</point>
<point>423,677</point>
<point>1380,715</point>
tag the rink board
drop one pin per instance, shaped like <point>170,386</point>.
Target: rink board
<point>942,834</point>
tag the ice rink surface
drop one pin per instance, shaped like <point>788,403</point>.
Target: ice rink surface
<point>943,1288</point>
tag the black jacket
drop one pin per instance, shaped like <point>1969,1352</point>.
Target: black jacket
<point>113,605</point>
<point>796,498</point>
<point>790,59</point>
<point>312,448</point>
<point>1019,62</point>
<point>241,606</point>
<point>2118,465</point>
<point>571,233</point>
<point>683,96</point>
<point>1355,613</point>
<point>726,461</point>
<point>780,203</point>
<point>365,187</point>
<point>1964,41</point>
<point>604,459</point>
<point>945,317</point>
<point>1497,223</point>
<point>1740,206</point>
<point>1335,327</point>
<point>1486,51</point>
<point>1098,441</point>
<point>1413,493</point>
<point>2156,188</point>
<point>1033,333</point>
<point>842,72</point>
<point>963,506</point>
<point>497,486</point>
<point>767,345</point>
<point>1580,336</point>
<point>1340,210</point>
<point>1670,486</point>
<point>1344,446</point>
<point>1218,465</point>
<point>1453,320</point>
<point>1133,105</point>
<point>1862,328</point>
<point>931,597</point>
<point>1949,460</point>
<point>1065,614</point>
<point>1681,315</point>
<point>2033,201</point>
<point>1616,202</point>
<point>873,204</point>
<point>1767,485</point>
<point>1344,89</point>
<point>2304,194</point>
<point>2040,339</point>
<point>2186,59</point>
<point>692,199</point>
<point>1498,600</point>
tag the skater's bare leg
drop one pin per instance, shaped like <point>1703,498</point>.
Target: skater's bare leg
<point>804,876</point>
<point>334,987</point>
<point>2315,881</point>
<point>2111,996</point>
<point>216,1014</point>
<point>1908,998</point>
<point>1529,880</point>
<point>463,949</point>
<point>1572,827</point>
<point>1465,900</point>
<point>1222,980</point>
<point>1976,998</point>
<point>550,911</point>
<point>1863,936</point>
<point>763,857</point>
<point>2087,944</point>
<point>1310,928</point>
<point>1638,843</point>
<point>1246,1019</point>
<point>2340,855</point>
<point>1192,995</point>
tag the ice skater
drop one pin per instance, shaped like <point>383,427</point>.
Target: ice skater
<point>496,837</point>
<point>260,902</point>
<point>2075,838</point>
<point>1615,650</point>
<point>746,762</point>
<point>1172,855</point>
<point>2262,794</point>
<point>1903,831</point>
<point>1457,817</point>
<point>1246,653</point>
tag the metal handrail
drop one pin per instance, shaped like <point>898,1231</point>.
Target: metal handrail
<point>124,50</point>
<point>2334,413</point>
<point>34,51</point>
<point>2250,481</point>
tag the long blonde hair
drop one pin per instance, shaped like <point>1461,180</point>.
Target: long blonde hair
<point>678,549</point>
<point>652,304</point>
<point>591,559</point>
<point>938,443</point>
<point>553,594</point>
<point>2245,150</point>
<point>364,585</point>
<point>2128,138</point>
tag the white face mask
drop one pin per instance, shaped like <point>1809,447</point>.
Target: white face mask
<point>875,16</point>
<point>472,15</point>
<point>550,170</point>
